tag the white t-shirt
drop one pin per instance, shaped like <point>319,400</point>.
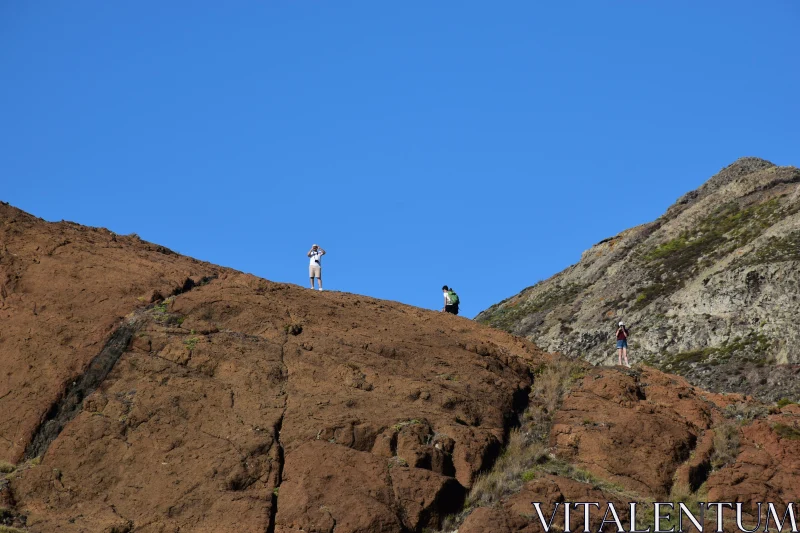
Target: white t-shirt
<point>316,258</point>
<point>446,297</point>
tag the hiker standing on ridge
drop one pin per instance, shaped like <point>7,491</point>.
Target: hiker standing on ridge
<point>450,300</point>
<point>622,344</point>
<point>315,265</point>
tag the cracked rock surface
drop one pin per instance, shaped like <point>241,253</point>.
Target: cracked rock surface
<point>145,391</point>
<point>643,435</point>
<point>235,403</point>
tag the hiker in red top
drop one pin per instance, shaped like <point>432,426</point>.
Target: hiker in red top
<point>622,344</point>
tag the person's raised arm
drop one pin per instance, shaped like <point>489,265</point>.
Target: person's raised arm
<point>321,251</point>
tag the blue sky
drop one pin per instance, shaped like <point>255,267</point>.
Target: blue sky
<point>476,144</point>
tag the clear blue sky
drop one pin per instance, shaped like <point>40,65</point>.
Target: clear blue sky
<point>482,145</point>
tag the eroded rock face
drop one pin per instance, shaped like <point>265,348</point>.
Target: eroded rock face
<point>647,436</point>
<point>710,288</point>
<point>238,403</point>
<point>767,465</point>
<point>516,514</point>
<point>64,290</point>
<point>146,391</point>
<point>649,432</point>
<point>631,428</point>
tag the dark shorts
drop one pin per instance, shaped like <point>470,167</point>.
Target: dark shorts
<point>622,343</point>
<point>451,309</point>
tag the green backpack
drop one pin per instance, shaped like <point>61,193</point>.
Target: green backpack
<point>453,297</point>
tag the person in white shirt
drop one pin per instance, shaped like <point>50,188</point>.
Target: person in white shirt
<point>315,265</point>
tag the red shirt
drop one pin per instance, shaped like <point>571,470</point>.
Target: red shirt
<point>622,336</point>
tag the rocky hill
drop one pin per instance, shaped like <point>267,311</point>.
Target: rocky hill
<point>709,289</point>
<point>145,391</point>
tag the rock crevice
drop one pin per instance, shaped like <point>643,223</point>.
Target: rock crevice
<point>70,403</point>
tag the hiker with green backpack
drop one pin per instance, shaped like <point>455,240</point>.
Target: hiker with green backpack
<point>450,300</point>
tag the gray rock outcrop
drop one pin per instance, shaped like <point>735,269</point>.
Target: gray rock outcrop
<point>710,289</point>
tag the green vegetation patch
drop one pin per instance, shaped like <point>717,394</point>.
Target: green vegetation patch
<point>561,468</point>
<point>776,249</point>
<point>729,227</point>
<point>786,431</point>
<point>293,328</point>
<point>745,412</point>
<point>783,402</point>
<point>6,468</point>
<point>752,348</point>
<point>678,494</point>
<point>508,315</point>
<point>726,445</point>
<point>160,313</point>
<point>652,292</point>
<point>191,343</point>
<point>527,449</point>
<point>401,425</point>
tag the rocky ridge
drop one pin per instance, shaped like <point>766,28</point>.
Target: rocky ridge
<point>145,391</point>
<point>710,289</point>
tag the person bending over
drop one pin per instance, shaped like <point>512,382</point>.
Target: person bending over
<point>450,300</point>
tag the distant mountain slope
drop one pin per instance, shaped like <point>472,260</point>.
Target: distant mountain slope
<point>710,288</point>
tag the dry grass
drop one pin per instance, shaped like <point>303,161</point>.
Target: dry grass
<point>6,468</point>
<point>679,494</point>
<point>745,412</point>
<point>527,445</point>
<point>726,445</point>
<point>787,432</point>
<point>506,478</point>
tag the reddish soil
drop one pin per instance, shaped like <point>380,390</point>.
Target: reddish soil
<point>147,391</point>
<point>234,395</point>
<point>649,436</point>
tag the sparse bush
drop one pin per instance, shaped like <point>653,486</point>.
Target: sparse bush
<point>678,494</point>
<point>527,445</point>
<point>160,309</point>
<point>506,315</point>
<point>397,461</point>
<point>6,468</point>
<point>294,328</point>
<point>726,445</point>
<point>783,402</point>
<point>727,228</point>
<point>191,343</point>
<point>508,475</point>
<point>744,412</point>
<point>561,468</point>
<point>784,248</point>
<point>401,425</point>
<point>787,432</point>
<point>754,347</point>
